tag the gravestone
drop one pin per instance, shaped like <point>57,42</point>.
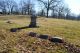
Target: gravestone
<point>32,34</point>
<point>56,40</point>
<point>43,36</point>
<point>33,21</point>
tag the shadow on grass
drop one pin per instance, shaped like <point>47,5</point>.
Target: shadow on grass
<point>20,28</point>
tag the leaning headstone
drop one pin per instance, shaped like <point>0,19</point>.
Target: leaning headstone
<point>43,36</point>
<point>33,21</point>
<point>56,40</point>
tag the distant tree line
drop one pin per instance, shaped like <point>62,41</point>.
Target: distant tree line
<point>58,10</point>
<point>51,8</point>
<point>12,7</point>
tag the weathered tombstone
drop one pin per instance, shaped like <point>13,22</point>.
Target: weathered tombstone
<point>33,21</point>
<point>56,40</point>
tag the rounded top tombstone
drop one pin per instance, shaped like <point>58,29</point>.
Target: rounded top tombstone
<point>34,16</point>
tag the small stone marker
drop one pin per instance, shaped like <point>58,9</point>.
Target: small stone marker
<point>10,22</point>
<point>32,34</point>
<point>56,39</point>
<point>43,36</point>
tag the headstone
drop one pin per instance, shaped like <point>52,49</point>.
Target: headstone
<point>43,36</point>
<point>32,34</point>
<point>33,21</point>
<point>56,39</point>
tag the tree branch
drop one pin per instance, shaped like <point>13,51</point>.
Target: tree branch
<point>43,3</point>
<point>53,1</point>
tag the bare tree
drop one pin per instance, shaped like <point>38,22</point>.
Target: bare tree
<point>61,12</point>
<point>48,4</point>
<point>21,6</point>
<point>68,12</point>
<point>26,6</point>
<point>10,5</point>
<point>15,9</point>
<point>41,12</point>
<point>29,6</point>
<point>3,6</point>
<point>58,10</point>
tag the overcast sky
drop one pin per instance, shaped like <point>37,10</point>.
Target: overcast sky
<point>74,5</point>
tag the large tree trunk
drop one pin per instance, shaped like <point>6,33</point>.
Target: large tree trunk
<point>28,10</point>
<point>47,13</point>
<point>48,9</point>
<point>12,10</point>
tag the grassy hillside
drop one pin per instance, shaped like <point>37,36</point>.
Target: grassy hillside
<point>19,42</point>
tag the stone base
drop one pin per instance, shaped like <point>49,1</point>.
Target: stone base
<point>32,25</point>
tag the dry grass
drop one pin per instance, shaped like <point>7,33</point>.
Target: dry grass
<point>15,42</point>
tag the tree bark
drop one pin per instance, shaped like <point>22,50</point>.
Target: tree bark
<point>48,9</point>
<point>47,12</point>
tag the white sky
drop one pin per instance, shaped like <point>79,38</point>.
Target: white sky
<point>74,5</point>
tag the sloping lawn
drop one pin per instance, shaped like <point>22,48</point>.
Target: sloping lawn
<point>19,42</point>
